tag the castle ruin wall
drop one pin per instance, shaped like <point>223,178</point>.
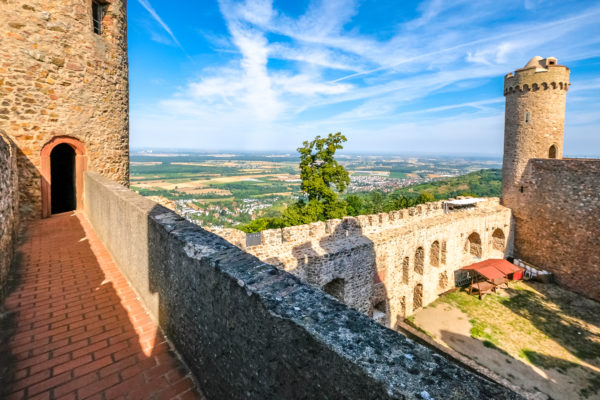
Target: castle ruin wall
<point>382,260</point>
<point>557,217</point>
<point>59,78</point>
<point>9,201</point>
<point>249,330</point>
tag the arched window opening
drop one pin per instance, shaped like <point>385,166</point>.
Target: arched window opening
<point>473,245</point>
<point>527,117</point>
<point>434,256</point>
<point>380,312</point>
<point>552,152</point>
<point>405,269</point>
<point>335,288</point>
<point>498,240</point>
<point>62,175</point>
<point>418,297</point>
<point>444,253</point>
<point>419,260</point>
<point>443,281</point>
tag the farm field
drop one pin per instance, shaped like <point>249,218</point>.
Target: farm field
<point>232,189</point>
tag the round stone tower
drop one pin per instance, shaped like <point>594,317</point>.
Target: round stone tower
<point>534,120</point>
<point>64,98</point>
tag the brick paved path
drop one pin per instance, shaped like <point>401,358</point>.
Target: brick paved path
<point>80,332</point>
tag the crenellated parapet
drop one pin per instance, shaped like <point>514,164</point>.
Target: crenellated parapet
<point>375,262</point>
<point>346,227</point>
<point>538,74</point>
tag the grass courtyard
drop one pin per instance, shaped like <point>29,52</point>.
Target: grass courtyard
<point>538,336</point>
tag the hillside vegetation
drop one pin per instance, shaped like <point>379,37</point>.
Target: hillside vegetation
<point>483,183</point>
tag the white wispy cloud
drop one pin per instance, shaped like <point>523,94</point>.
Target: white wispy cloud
<point>330,77</point>
<point>146,4</point>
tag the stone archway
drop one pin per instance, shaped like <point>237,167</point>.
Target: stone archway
<point>473,245</point>
<point>418,297</point>
<point>57,151</point>
<point>498,240</point>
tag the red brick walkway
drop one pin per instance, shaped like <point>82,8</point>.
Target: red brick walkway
<point>80,331</point>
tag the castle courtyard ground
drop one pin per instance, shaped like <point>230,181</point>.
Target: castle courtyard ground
<point>72,327</point>
<point>539,337</point>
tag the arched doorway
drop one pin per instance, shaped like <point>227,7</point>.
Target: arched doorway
<point>62,176</point>
<point>63,164</point>
<point>552,152</point>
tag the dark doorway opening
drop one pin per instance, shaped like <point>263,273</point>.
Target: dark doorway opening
<point>335,288</point>
<point>62,179</point>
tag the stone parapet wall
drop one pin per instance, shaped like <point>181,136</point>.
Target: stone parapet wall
<point>523,80</point>
<point>558,221</point>
<point>59,78</point>
<point>249,330</point>
<point>376,258</point>
<point>9,201</point>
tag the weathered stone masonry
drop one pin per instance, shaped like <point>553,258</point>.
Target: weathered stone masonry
<point>386,265</point>
<point>58,78</point>
<point>249,330</point>
<point>558,221</point>
<point>9,201</point>
<point>555,202</point>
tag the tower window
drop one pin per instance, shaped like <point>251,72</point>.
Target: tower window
<point>527,117</point>
<point>98,13</point>
<point>552,152</point>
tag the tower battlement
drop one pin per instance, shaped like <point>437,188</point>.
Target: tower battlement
<point>539,74</point>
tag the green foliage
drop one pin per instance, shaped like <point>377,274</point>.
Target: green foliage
<point>483,183</point>
<point>322,179</point>
<point>261,224</point>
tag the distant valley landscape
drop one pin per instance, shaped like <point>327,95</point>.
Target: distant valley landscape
<point>233,189</point>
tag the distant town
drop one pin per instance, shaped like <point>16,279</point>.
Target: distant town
<point>228,190</point>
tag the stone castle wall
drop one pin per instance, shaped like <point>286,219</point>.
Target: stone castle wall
<point>248,330</point>
<point>557,221</point>
<point>9,200</point>
<point>59,78</point>
<point>534,121</point>
<point>378,264</point>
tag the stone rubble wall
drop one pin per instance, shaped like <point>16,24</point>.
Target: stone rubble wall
<point>369,252</point>
<point>558,221</point>
<point>9,201</point>
<point>59,78</point>
<point>249,330</point>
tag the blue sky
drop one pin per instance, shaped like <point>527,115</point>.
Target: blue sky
<point>393,76</point>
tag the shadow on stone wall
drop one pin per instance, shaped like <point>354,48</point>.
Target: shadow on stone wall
<point>344,267</point>
<point>267,342</point>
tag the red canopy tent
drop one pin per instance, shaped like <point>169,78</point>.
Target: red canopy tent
<point>495,272</point>
<point>494,268</point>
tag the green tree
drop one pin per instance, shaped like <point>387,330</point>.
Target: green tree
<point>261,224</point>
<point>323,178</point>
<point>426,197</point>
<point>354,205</point>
